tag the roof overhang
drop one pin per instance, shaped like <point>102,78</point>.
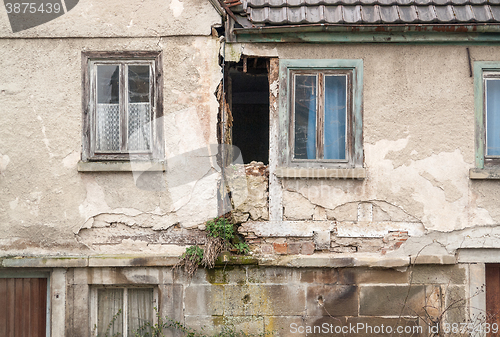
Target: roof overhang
<point>383,33</point>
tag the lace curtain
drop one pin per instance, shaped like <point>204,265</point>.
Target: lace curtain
<point>111,312</point>
<point>108,127</point>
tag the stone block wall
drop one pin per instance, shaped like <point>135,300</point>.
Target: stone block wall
<point>357,301</point>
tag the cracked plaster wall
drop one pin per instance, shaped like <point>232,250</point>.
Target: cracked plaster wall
<point>129,18</point>
<point>46,205</point>
<point>418,142</point>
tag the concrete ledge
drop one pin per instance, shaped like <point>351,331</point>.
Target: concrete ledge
<point>485,173</point>
<point>44,262</point>
<point>433,259</point>
<point>120,166</point>
<point>335,261</point>
<point>320,173</point>
<point>227,258</point>
<point>132,261</point>
<point>319,260</point>
<point>478,255</point>
<point>87,261</point>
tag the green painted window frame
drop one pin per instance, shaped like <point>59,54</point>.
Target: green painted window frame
<point>286,68</point>
<point>480,68</point>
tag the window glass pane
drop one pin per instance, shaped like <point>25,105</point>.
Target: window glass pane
<point>108,90</point>
<point>139,108</point>
<point>109,312</point>
<point>335,117</point>
<point>107,110</point>
<point>140,311</point>
<point>305,117</point>
<point>493,117</point>
<point>138,83</point>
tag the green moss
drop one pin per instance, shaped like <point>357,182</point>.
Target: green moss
<point>217,275</point>
<point>226,258</point>
<point>218,320</point>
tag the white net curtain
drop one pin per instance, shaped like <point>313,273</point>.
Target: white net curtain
<point>129,110</point>
<point>119,305</point>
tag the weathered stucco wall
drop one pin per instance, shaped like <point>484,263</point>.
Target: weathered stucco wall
<point>418,142</point>
<point>46,205</point>
<point>124,18</point>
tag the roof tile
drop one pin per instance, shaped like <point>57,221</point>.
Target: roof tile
<point>370,14</point>
<point>495,12</point>
<point>482,13</point>
<point>333,14</point>
<point>277,15</point>
<point>279,12</point>
<point>408,14</point>
<point>315,14</point>
<point>445,13</point>
<point>463,13</point>
<point>389,14</point>
<point>426,14</point>
<point>352,14</point>
<point>295,15</point>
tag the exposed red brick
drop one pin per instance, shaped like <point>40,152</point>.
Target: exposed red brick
<point>308,248</point>
<point>266,249</point>
<point>280,248</point>
<point>294,248</point>
<point>398,244</point>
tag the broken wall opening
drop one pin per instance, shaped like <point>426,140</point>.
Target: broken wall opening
<point>248,98</point>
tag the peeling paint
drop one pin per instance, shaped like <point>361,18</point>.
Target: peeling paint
<point>274,88</point>
<point>4,161</point>
<point>71,160</point>
<point>13,204</point>
<point>45,139</point>
<point>176,7</point>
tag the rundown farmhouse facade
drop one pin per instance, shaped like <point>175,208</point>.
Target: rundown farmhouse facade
<point>354,145</point>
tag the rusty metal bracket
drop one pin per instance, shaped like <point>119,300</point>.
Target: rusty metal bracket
<point>228,11</point>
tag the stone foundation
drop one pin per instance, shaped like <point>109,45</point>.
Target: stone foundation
<point>287,301</point>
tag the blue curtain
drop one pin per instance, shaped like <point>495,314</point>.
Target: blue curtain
<point>493,117</point>
<point>335,117</point>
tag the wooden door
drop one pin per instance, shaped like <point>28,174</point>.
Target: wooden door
<point>493,295</point>
<point>23,307</point>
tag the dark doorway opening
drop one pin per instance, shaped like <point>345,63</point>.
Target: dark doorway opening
<point>249,103</point>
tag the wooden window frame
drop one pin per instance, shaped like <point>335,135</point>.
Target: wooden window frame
<point>94,305</point>
<point>320,125</point>
<point>89,61</point>
<point>353,69</point>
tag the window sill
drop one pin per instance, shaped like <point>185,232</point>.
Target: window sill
<point>120,166</point>
<point>320,173</point>
<point>485,174</point>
